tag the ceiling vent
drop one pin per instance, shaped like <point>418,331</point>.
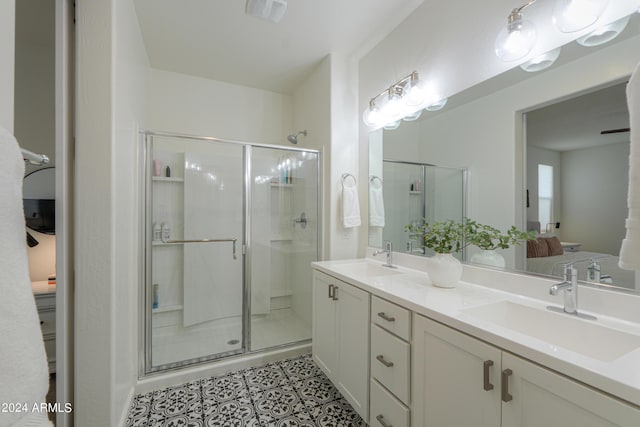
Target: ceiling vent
<point>271,10</point>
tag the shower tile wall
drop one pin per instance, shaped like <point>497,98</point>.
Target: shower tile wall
<point>290,392</point>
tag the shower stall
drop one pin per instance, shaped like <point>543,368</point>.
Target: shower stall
<point>230,230</point>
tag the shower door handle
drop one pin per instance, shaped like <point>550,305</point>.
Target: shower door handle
<point>229,239</point>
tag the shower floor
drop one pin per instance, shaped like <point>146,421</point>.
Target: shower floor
<point>274,329</point>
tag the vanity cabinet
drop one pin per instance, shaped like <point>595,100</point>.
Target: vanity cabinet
<point>459,380</point>
<point>341,337</point>
<point>46,304</point>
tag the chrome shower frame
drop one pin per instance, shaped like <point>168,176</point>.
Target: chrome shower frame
<point>145,365</point>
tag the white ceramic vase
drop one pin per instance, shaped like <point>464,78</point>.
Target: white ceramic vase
<point>488,257</point>
<point>445,270</point>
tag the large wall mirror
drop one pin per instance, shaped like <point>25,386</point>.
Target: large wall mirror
<point>501,130</point>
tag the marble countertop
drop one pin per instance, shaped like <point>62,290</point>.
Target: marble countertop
<point>412,289</point>
<point>42,287</point>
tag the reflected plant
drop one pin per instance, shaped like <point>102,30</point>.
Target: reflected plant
<point>490,238</point>
<point>443,237</point>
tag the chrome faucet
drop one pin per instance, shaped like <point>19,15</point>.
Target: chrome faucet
<point>388,249</point>
<point>570,288</point>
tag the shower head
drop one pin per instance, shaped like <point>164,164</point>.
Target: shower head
<point>294,138</point>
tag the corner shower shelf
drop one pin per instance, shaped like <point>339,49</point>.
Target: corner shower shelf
<point>166,179</point>
<point>165,244</point>
<point>167,308</point>
<point>415,193</point>
<point>277,185</point>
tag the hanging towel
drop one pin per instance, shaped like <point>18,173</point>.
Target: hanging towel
<point>350,206</point>
<point>376,204</point>
<point>630,250</point>
<point>24,374</point>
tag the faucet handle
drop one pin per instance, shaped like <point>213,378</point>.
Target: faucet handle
<point>388,245</point>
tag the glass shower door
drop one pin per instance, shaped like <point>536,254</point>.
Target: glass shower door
<point>284,241</point>
<point>195,258</point>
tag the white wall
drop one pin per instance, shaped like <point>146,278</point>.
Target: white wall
<point>594,197</point>
<point>7,38</point>
<point>110,107</point>
<point>197,106</point>
<point>130,114</point>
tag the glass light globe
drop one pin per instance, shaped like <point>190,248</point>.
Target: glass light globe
<point>541,62</point>
<point>437,105</point>
<point>371,116</point>
<point>575,15</point>
<point>392,125</point>
<point>516,40</point>
<point>413,116</point>
<point>605,33</point>
<point>391,108</point>
<point>415,93</point>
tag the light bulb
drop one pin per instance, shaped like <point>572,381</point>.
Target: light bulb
<point>605,33</point>
<point>575,15</point>
<point>516,40</point>
<point>390,107</point>
<point>371,116</point>
<point>415,92</point>
<point>541,62</point>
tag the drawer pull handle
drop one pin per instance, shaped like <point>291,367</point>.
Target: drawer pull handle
<point>335,293</point>
<point>330,291</point>
<point>385,317</point>
<point>386,363</point>
<point>381,420</point>
<point>506,397</point>
<point>486,380</point>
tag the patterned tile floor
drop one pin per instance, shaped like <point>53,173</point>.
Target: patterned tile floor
<point>287,393</point>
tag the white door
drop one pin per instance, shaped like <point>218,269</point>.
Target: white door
<point>324,324</point>
<point>543,398</point>
<point>352,321</point>
<point>455,378</point>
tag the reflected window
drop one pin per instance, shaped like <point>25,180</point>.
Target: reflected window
<point>545,194</point>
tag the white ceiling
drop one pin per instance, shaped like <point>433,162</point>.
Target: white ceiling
<point>577,122</point>
<point>215,39</point>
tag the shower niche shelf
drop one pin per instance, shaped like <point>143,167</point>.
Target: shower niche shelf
<point>167,308</point>
<point>166,179</point>
<point>162,244</point>
<point>279,185</point>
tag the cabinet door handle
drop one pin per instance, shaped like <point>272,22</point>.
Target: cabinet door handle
<point>385,317</point>
<point>386,363</point>
<point>486,380</point>
<point>335,293</point>
<point>506,397</point>
<point>330,291</point>
<point>381,420</point>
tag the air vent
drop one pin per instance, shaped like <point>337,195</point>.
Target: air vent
<point>271,10</point>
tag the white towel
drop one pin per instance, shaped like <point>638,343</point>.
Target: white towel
<point>350,206</point>
<point>630,250</point>
<point>24,374</point>
<point>376,204</point>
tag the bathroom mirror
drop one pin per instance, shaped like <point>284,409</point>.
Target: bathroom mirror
<point>482,129</point>
<point>39,200</point>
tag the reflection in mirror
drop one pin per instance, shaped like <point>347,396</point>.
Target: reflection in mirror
<point>482,130</point>
<point>577,179</point>
<point>407,193</point>
<point>39,199</point>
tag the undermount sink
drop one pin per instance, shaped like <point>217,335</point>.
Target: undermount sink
<point>365,269</point>
<point>563,330</point>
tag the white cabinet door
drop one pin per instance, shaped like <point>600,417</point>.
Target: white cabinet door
<point>352,321</point>
<point>543,398</point>
<point>454,378</point>
<point>324,324</point>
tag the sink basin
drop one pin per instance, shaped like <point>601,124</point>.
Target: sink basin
<point>581,336</point>
<point>365,269</point>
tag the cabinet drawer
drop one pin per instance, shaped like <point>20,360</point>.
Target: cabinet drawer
<point>386,410</point>
<point>391,317</point>
<point>47,322</point>
<point>46,301</point>
<point>390,362</point>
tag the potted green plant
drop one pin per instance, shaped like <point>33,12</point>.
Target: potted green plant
<point>488,239</point>
<point>444,238</point>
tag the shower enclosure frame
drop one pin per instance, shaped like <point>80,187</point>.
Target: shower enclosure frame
<point>145,294</point>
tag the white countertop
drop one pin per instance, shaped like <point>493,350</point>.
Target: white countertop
<point>412,289</point>
<point>42,287</point>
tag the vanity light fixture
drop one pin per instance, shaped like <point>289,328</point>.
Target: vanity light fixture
<point>575,15</point>
<point>403,100</point>
<point>516,40</point>
<point>541,62</point>
<point>605,33</point>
